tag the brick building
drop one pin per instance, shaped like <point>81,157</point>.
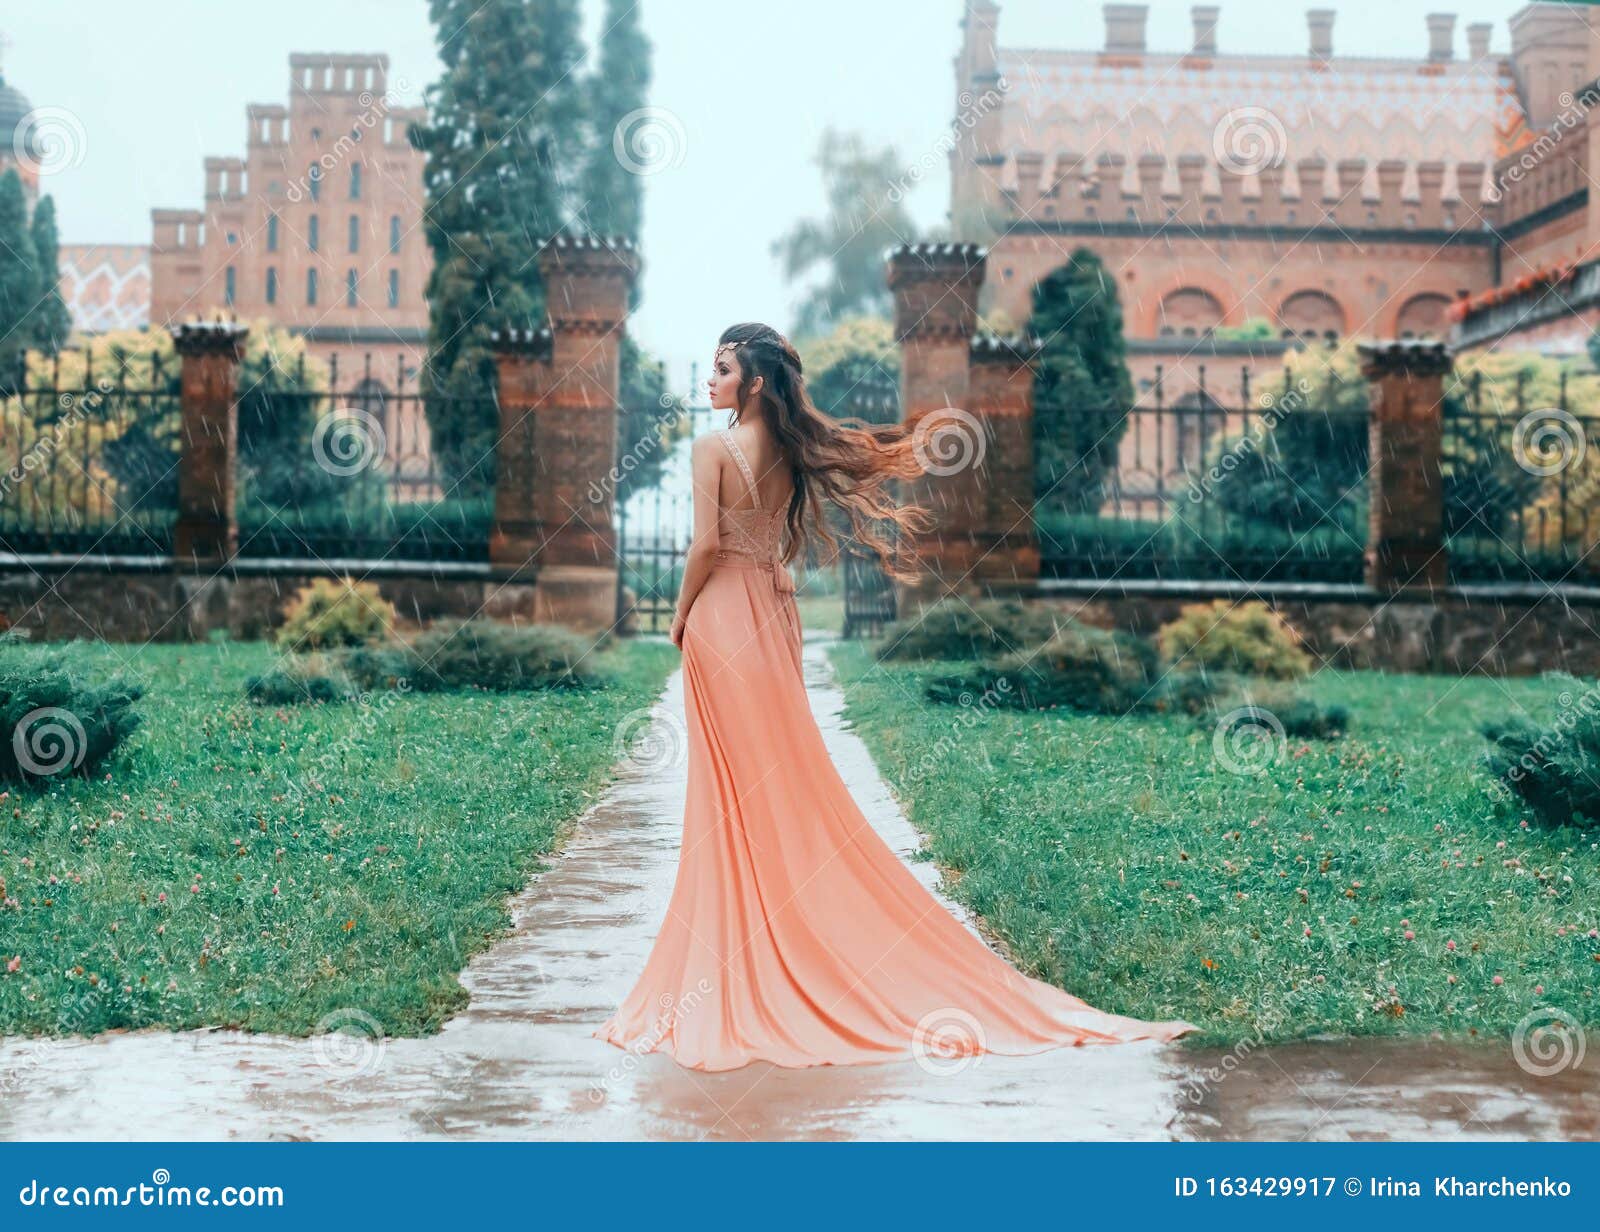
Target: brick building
<point>1331,195</point>
<point>317,227</point>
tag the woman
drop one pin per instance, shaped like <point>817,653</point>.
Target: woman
<point>794,934</point>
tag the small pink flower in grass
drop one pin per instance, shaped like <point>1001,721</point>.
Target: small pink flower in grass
<point>1449,945</point>
<point>1450,979</point>
<point>1500,846</point>
<point>1561,932</point>
<point>194,889</point>
<point>1538,990</point>
<point>1308,930</point>
<point>274,887</point>
<point>1410,936</point>
<point>15,964</point>
<point>1524,823</point>
<point>1405,923</point>
<point>161,897</point>
<point>1594,932</point>
<point>1499,980</point>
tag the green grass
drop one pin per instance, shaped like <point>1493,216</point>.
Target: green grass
<point>370,891</point>
<point>1118,859</point>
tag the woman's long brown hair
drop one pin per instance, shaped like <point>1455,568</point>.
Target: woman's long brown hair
<point>847,461</point>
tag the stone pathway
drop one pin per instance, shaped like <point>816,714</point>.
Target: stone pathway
<point>518,1062</point>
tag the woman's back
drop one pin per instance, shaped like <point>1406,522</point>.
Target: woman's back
<point>752,503</point>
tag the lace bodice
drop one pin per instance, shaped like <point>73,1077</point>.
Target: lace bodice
<point>754,532</point>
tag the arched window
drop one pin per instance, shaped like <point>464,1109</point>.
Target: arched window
<point>1422,316</point>
<point>1310,315</point>
<point>1189,311</point>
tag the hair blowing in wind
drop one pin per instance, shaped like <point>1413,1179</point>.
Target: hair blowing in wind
<point>846,461</point>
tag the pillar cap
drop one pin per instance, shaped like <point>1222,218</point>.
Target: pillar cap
<point>219,337</point>
<point>1018,348</point>
<point>929,260</point>
<point>1418,356</point>
<point>523,343</point>
<point>595,252</point>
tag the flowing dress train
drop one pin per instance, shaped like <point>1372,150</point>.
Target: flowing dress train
<point>794,934</point>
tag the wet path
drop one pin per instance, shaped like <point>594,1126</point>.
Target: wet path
<point>518,1062</point>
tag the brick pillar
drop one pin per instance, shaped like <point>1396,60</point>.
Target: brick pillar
<point>935,290</point>
<point>1000,393</point>
<point>1405,541</point>
<point>207,530</point>
<point>522,365</point>
<point>587,283</point>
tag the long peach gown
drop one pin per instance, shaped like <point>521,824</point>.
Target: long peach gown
<point>794,934</point>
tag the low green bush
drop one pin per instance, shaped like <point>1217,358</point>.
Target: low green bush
<point>957,629</point>
<point>54,723</point>
<point>1555,770</point>
<point>1078,667</point>
<point>481,654</point>
<point>298,682</point>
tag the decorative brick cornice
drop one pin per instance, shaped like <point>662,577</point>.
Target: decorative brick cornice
<point>1415,356</point>
<point>209,338</point>
<point>535,344</point>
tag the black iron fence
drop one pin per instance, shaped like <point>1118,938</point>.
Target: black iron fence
<point>1521,480</point>
<point>353,470</point>
<point>1239,483</point>
<point>91,443</point>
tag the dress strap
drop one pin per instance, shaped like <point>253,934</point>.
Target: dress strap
<point>744,464</point>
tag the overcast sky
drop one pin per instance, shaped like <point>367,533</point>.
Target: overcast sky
<point>160,84</point>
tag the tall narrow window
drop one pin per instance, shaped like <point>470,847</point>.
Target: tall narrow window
<point>355,233</point>
<point>350,289</point>
<point>272,286</point>
<point>314,181</point>
<point>355,181</point>
<point>272,233</point>
<point>394,233</point>
<point>313,233</point>
<point>230,285</point>
<point>311,286</point>
<point>394,288</point>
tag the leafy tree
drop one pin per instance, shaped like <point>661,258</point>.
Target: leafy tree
<point>503,122</point>
<point>652,418</point>
<point>1082,390</point>
<point>854,370</point>
<point>611,194</point>
<point>846,246</point>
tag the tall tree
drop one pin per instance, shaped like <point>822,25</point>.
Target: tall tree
<point>503,125</point>
<point>19,279</point>
<point>1082,391</point>
<point>865,216</point>
<point>611,186</point>
<point>51,320</point>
